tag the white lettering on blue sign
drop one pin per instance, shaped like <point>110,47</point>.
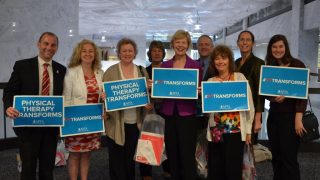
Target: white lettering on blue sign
<point>284,81</point>
<point>40,114</point>
<point>125,86</point>
<point>85,118</point>
<point>37,103</point>
<point>218,96</point>
<point>184,83</point>
<point>126,97</point>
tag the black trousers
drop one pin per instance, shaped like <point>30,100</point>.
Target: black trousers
<point>121,163</point>
<point>146,170</point>
<point>38,145</point>
<point>284,143</point>
<point>225,158</point>
<point>180,139</point>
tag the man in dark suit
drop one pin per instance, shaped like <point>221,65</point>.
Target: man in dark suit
<point>205,48</point>
<point>36,144</point>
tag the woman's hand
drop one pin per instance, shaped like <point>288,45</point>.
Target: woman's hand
<point>199,89</point>
<point>300,130</point>
<point>105,116</point>
<point>257,122</point>
<point>248,139</point>
<point>103,96</point>
<point>279,99</point>
<point>148,107</point>
<point>12,113</point>
<point>149,83</point>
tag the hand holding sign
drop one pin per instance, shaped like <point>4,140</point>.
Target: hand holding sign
<point>125,94</point>
<point>12,113</point>
<point>38,111</point>
<point>175,83</point>
<point>274,81</point>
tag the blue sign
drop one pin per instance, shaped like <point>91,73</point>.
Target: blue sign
<point>284,81</point>
<point>225,96</point>
<point>38,111</point>
<point>125,94</point>
<point>82,119</point>
<point>175,83</point>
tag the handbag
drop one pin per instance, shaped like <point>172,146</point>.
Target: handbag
<point>248,165</point>
<point>151,146</point>
<point>310,123</point>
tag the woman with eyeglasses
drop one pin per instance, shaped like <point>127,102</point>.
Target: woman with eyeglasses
<point>249,65</point>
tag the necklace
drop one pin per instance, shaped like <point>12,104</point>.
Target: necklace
<point>226,78</point>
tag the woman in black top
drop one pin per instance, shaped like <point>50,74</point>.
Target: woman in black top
<point>249,65</point>
<point>285,116</point>
<point>156,54</point>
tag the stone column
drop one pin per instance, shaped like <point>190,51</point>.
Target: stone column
<point>296,26</point>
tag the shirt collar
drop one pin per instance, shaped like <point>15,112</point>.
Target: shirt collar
<point>41,61</point>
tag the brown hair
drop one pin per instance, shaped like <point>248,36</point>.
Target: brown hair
<point>49,34</point>
<point>223,51</point>
<point>75,59</point>
<point>124,41</point>
<point>156,44</point>
<point>246,31</point>
<point>270,59</point>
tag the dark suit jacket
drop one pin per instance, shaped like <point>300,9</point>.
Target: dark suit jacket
<point>24,80</point>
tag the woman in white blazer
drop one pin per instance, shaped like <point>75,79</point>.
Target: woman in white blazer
<point>227,131</point>
<point>82,85</point>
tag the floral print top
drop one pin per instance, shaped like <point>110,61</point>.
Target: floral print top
<point>228,122</point>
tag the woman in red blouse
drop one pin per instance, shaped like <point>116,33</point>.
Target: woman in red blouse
<point>82,85</point>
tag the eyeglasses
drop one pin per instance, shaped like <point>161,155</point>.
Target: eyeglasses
<point>245,40</point>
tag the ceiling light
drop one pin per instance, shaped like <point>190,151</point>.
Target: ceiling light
<point>70,33</point>
<point>197,26</point>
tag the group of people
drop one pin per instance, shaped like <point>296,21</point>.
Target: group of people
<point>82,82</point>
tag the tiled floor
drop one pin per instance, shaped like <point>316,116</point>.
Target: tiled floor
<point>309,162</point>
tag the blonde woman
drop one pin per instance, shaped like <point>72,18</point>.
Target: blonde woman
<point>82,85</point>
<point>180,115</point>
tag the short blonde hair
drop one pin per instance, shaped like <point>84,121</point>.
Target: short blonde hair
<point>75,59</point>
<point>180,34</point>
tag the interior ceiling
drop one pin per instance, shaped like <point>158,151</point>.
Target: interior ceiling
<point>127,17</point>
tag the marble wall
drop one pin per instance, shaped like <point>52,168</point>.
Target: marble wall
<point>31,18</point>
<point>23,21</point>
<point>21,24</point>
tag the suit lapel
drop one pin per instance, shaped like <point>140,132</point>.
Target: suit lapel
<point>55,73</point>
<point>35,66</point>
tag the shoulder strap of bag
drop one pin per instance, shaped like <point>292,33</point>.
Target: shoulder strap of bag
<point>310,104</point>
<point>141,71</point>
